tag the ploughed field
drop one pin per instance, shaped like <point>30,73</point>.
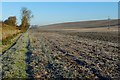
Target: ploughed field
<point>63,54</point>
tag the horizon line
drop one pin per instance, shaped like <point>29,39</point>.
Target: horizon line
<point>75,21</point>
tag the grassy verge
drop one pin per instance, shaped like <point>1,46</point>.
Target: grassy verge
<point>14,64</point>
<point>7,42</point>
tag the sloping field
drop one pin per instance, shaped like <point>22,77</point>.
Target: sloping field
<point>100,29</point>
<point>43,53</point>
<point>53,54</point>
<point>8,35</point>
<point>0,31</point>
<point>0,38</point>
<point>83,24</point>
<point>69,56</point>
<point>8,31</point>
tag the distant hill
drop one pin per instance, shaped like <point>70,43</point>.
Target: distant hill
<point>83,24</point>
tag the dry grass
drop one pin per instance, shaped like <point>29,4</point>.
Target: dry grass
<point>0,31</point>
<point>8,31</point>
<point>0,38</point>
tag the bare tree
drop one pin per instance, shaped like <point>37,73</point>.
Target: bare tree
<point>26,15</point>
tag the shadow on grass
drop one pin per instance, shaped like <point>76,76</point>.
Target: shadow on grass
<point>28,61</point>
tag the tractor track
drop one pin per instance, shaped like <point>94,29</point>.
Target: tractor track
<point>12,44</point>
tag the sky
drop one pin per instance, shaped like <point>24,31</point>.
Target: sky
<point>58,12</point>
<point>60,0</point>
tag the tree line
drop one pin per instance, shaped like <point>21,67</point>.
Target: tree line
<point>26,15</point>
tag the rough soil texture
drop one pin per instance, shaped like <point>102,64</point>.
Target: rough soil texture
<point>62,54</point>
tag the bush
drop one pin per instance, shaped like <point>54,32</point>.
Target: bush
<point>11,21</point>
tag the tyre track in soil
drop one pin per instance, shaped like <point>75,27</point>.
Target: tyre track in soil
<point>27,54</point>
<point>28,58</point>
<point>20,46</point>
<point>12,45</point>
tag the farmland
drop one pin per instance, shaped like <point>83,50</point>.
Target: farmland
<point>59,40</point>
<point>49,53</point>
